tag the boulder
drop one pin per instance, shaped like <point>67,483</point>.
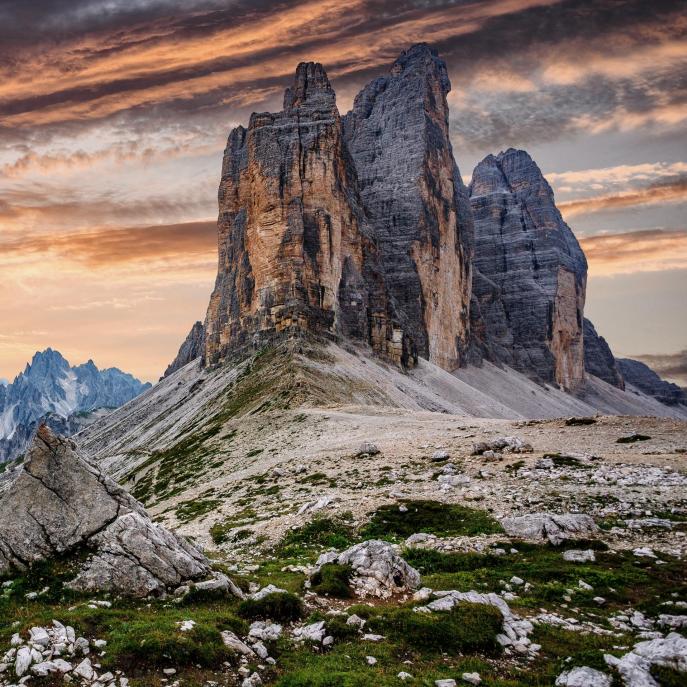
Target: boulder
<point>583,677</point>
<point>555,528</point>
<point>378,570</point>
<point>59,503</point>
<point>635,666</point>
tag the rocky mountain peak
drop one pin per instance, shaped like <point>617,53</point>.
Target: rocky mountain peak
<point>311,90</point>
<point>530,273</point>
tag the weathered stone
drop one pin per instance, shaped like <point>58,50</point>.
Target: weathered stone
<point>645,379</point>
<point>529,274</point>
<point>58,503</point>
<point>377,569</point>
<point>192,348</point>
<point>554,527</point>
<point>598,358</point>
<point>398,136</point>
<point>296,253</point>
<point>583,677</point>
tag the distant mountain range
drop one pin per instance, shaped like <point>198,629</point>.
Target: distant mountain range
<point>66,397</point>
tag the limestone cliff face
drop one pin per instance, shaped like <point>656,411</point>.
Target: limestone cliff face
<point>645,379</point>
<point>192,348</point>
<point>412,191</point>
<point>598,359</point>
<point>530,272</point>
<point>295,251</point>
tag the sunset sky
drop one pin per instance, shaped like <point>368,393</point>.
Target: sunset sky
<point>114,115</point>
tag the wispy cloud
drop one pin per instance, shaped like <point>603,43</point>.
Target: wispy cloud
<point>672,190</point>
<point>639,251</point>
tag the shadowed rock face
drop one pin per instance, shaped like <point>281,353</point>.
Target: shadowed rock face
<point>530,272</point>
<point>598,359</point>
<point>191,349</point>
<point>398,136</point>
<point>58,503</point>
<point>645,379</point>
<point>295,251</point>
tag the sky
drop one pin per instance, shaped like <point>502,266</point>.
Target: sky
<point>114,115</point>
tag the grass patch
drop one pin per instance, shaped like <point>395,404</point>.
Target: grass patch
<point>195,508</point>
<point>137,646</point>
<point>333,579</point>
<point>467,627</point>
<point>432,517</point>
<point>281,606</point>
<point>320,532</point>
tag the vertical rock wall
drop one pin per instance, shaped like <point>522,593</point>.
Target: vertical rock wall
<point>530,272</point>
<point>295,251</point>
<point>398,136</point>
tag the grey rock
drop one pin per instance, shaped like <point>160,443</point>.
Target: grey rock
<point>554,527</point>
<point>530,274</point>
<point>598,358</point>
<point>377,569</point>
<point>398,137</point>
<point>49,387</point>
<point>583,677</point>
<point>58,503</point>
<point>645,379</point>
<point>578,556</point>
<point>191,349</point>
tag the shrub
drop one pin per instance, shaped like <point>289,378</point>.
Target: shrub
<point>333,579</point>
<point>429,516</point>
<point>467,627</point>
<point>282,606</point>
<point>323,532</point>
<point>143,645</point>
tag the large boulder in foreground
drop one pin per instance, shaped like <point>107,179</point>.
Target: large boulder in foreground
<point>377,569</point>
<point>58,503</point>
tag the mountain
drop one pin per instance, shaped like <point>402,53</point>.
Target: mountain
<point>358,230</point>
<point>50,388</point>
<point>296,252</point>
<point>598,358</point>
<point>530,273</point>
<point>646,380</point>
<point>398,137</point>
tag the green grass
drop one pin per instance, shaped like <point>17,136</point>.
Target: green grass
<point>467,627</point>
<point>195,508</point>
<point>320,532</point>
<point>333,579</point>
<point>431,517</point>
<point>280,606</point>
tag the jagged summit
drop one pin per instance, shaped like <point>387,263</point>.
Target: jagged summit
<point>530,273</point>
<point>311,89</point>
<point>50,386</point>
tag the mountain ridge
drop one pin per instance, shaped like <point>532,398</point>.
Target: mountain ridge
<point>50,389</point>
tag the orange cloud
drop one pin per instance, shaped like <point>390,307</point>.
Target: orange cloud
<point>664,192</point>
<point>107,247</point>
<point>639,251</point>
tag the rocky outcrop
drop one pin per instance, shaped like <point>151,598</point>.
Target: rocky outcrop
<point>598,359</point>
<point>377,569</point>
<point>59,504</point>
<point>556,527</point>
<point>295,251</point>
<point>191,349</point>
<point>645,379</point>
<point>529,273</point>
<point>398,137</point>
<point>50,385</point>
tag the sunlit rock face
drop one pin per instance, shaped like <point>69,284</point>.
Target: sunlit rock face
<point>398,137</point>
<point>295,251</point>
<point>530,272</point>
<point>598,358</point>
